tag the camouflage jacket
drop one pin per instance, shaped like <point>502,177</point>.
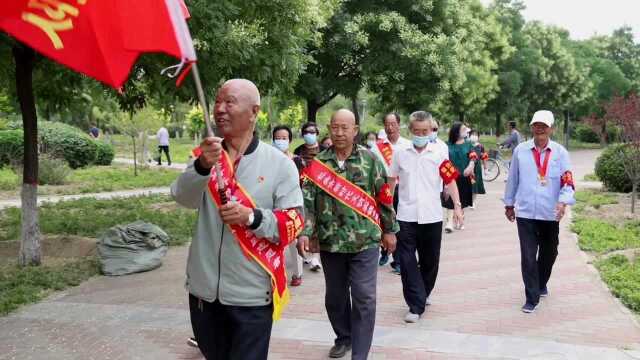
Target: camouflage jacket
<point>336,227</point>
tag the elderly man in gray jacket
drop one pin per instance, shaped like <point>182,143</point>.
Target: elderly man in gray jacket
<point>235,270</point>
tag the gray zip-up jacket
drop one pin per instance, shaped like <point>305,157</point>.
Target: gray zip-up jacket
<point>217,267</point>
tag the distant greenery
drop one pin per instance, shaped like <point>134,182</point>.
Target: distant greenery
<point>623,278</point>
<point>179,148</point>
<point>90,217</point>
<point>9,180</point>
<point>25,285</point>
<point>591,177</point>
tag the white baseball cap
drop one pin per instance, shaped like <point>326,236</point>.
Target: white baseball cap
<point>544,117</point>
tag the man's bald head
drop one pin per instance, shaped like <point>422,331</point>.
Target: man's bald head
<point>343,129</point>
<point>345,114</point>
<point>246,88</point>
<point>236,108</point>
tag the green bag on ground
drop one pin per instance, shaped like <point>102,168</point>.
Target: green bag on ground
<point>132,248</point>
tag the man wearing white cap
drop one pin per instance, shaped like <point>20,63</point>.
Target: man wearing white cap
<point>539,187</point>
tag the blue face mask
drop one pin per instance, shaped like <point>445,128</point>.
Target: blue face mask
<point>433,137</point>
<point>310,139</point>
<point>420,141</point>
<point>281,144</point>
<point>371,143</point>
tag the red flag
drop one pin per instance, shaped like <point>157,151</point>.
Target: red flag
<point>100,38</point>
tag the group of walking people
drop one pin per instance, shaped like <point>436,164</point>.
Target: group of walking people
<point>344,201</point>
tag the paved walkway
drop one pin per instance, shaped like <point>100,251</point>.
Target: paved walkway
<point>475,312</point>
<point>100,196</point>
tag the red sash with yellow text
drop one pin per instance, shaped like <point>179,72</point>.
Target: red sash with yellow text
<point>386,150</point>
<point>270,256</point>
<point>346,192</point>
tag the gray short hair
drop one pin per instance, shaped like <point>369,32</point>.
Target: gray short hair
<point>421,116</point>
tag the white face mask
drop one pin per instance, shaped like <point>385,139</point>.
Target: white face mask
<point>281,144</point>
<point>474,138</point>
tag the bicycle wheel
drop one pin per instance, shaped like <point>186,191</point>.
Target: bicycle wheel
<point>491,171</point>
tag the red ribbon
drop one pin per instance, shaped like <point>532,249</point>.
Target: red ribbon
<point>542,168</point>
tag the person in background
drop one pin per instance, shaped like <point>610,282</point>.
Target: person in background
<point>325,143</point>
<point>303,156</point>
<point>424,169</point>
<point>94,132</point>
<point>478,183</point>
<point>163,145</point>
<point>463,157</point>
<point>539,188</point>
<point>310,148</point>
<point>281,137</point>
<point>384,149</point>
<point>349,209</point>
<point>514,137</point>
<point>369,139</point>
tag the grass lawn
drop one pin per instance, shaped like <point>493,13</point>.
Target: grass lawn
<point>90,217</point>
<point>603,229</point>
<point>94,179</point>
<point>180,149</point>
<point>623,278</point>
<point>20,286</point>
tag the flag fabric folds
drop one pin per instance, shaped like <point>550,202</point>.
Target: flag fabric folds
<point>100,38</point>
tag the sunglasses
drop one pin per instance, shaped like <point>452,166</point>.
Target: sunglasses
<point>434,129</point>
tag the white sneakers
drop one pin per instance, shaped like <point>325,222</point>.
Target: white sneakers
<point>411,318</point>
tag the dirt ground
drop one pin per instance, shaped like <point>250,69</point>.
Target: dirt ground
<point>54,248</point>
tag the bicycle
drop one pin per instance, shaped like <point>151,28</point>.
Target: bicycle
<point>495,164</point>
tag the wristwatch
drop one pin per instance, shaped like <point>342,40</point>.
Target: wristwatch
<point>251,219</point>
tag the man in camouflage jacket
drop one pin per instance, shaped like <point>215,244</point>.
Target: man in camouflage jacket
<point>348,242</point>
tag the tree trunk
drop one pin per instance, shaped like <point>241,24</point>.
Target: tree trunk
<point>354,108</point>
<point>566,129</point>
<point>135,155</point>
<point>145,148</point>
<point>461,116</point>
<point>634,189</point>
<point>312,110</point>
<point>30,251</point>
<point>604,137</point>
<point>498,124</point>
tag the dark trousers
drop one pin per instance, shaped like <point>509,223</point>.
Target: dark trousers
<point>384,251</point>
<point>418,281</point>
<point>164,148</point>
<point>537,237</point>
<point>350,297</point>
<point>226,332</point>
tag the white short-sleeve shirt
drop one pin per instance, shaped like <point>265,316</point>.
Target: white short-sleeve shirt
<point>421,183</point>
<point>401,144</point>
<point>163,137</point>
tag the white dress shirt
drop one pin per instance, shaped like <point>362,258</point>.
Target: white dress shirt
<point>421,183</point>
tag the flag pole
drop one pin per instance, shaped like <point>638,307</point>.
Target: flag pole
<point>207,121</point>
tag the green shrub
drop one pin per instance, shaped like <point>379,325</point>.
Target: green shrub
<point>613,134</point>
<point>9,180</point>
<point>11,147</point>
<point>586,134</point>
<point>104,154</point>
<point>68,142</point>
<point>4,123</point>
<point>52,171</point>
<point>610,169</point>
